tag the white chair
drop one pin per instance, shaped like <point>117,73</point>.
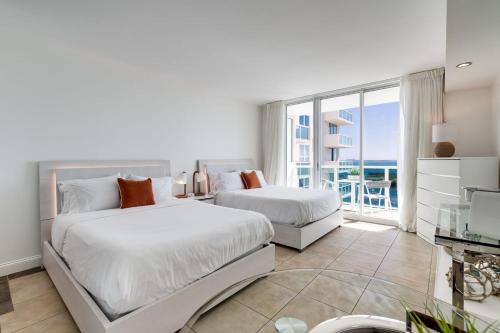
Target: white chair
<point>378,190</point>
<point>328,185</point>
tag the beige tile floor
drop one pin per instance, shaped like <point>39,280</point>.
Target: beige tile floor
<point>368,249</point>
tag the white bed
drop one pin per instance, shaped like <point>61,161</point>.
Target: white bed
<point>129,258</point>
<point>293,206</point>
<point>299,216</point>
<point>151,266</point>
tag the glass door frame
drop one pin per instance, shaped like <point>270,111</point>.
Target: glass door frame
<point>318,138</point>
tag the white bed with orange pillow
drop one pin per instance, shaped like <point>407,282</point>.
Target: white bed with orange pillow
<point>299,216</point>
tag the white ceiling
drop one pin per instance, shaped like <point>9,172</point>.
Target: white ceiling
<point>255,50</point>
<point>473,34</point>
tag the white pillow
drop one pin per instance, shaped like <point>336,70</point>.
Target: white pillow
<point>162,186</point>
<point>228,181</point>
<point>84,195</point>
<point>260,175</point>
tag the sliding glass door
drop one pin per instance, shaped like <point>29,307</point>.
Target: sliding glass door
<point>380,153</point>
<point>348,142</point>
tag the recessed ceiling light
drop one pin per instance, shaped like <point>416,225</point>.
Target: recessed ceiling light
<point>464,64</point>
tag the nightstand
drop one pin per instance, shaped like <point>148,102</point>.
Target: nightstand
<point>209,198</point>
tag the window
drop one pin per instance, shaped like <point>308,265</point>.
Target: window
<point>300,138</point>
<point>332,128</point>
<point>302,129</point>
<point>304,120</point>
<point>304,182</point>
<point>354,141</point>
<point>304,176</point>
<point>302,133</point>
<point>304,153</point>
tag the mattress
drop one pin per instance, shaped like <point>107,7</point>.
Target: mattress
<point>127,258</point>
<point>293,206</point>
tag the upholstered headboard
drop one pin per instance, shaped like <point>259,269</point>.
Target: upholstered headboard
<point>52,171</point>
<point>226,165</point>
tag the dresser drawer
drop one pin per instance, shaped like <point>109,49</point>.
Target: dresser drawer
<point>449,185</point>
<point>426,230</point>
<point>439,167</point>
<point>435,199</point>
<point>427,213</point>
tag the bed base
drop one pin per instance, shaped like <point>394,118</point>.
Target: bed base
<point>166,315</point>
<point>300,238</point>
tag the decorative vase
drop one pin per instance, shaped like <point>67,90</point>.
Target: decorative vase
<point>444,149</point>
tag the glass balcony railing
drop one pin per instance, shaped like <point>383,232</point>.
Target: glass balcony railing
<point>345,140</point>
<point>345,115</point>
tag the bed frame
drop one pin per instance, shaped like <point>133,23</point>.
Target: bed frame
<point>298,238</point>
<point>166,315</point>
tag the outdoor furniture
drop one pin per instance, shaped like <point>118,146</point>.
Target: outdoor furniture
<point>378,190</point>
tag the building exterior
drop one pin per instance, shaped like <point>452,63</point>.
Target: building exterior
<point>300,144</point>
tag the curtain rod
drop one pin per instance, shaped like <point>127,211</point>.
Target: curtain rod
<point>332,93</point>
<point>426,70</point>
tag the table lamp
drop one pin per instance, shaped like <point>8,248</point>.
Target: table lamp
<point>442,134</point>
<point>182,179</point>
<point>198,177</point>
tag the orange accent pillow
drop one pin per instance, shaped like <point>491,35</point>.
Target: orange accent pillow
<point>250,180</point>
<point>135,193</point>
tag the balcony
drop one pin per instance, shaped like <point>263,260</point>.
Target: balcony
<point>338,117</point>
<point>335,177</point>
<point>337,141</point>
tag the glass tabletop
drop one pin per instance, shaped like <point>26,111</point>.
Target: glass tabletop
<point>454,225</point>
<point>298,300</point>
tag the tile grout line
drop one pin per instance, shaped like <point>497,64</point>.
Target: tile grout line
<point>373,276</point>
<point>326,268</point>
<point>385,255</point>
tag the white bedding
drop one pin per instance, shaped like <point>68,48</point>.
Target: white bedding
<point>294,206</point>
<point>127,258</point>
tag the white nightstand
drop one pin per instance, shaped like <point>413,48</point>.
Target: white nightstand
<point>209,198</point>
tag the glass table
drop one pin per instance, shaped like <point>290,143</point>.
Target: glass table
<point>454,232</point>
<point>316,301</point>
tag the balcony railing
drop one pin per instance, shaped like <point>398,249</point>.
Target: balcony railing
<point>337,141</point>
<point>348,188</point>
<point>345,115</point>
<point>339,117</point>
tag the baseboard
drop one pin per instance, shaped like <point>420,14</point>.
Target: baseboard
<point>19,265</point>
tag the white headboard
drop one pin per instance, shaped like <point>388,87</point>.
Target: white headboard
<point>52,171</point>
<point>227,165</point>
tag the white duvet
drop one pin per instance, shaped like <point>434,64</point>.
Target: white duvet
<point>127,258</point>
<point>294,206</point>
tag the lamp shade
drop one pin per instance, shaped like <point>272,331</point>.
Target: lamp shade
<point>181,178</point>
<point>442,132</point>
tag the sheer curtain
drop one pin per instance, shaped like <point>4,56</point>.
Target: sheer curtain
<point>421,106</point>
<point>273,142</point>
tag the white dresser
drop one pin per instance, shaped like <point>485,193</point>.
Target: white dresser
<point>440,181</point>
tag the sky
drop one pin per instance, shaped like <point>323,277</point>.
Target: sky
<point>380,134</point>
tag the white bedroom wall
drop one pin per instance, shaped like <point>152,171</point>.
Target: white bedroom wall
<point>471,111</point>
<point>63,103</point>
<point>495,98</point>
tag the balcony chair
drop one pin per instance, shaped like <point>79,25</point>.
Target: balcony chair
<point>378,190</point>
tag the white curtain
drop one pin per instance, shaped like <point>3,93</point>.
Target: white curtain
<point>421,106</point>
<point>273,142</point>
